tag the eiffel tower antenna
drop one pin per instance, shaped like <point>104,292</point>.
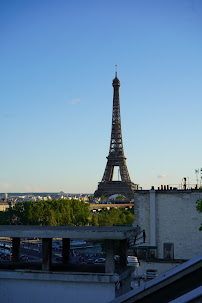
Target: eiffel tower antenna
<point>107,187</point>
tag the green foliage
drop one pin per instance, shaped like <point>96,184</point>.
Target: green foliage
<point>199,205</point>
<point>199,208</point>
<point>120,198</point>
<point>103,198</point>
<point>94,220</point>
<point>55,212</point>
<point>79,212</point>
<point>115,217</point>
<point>63,212</point>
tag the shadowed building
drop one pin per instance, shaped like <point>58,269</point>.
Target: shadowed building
<point>45,281</point>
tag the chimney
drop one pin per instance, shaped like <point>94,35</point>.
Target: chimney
<point>184,183</point>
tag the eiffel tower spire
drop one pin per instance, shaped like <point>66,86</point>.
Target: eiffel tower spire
<point>116,155</point>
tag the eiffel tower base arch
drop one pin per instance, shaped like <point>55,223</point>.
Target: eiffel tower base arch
<point>110,188</point>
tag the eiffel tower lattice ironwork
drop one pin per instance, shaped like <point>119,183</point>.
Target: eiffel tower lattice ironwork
<point>116,157</point>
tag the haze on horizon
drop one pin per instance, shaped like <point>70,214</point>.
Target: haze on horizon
<point>57,64</point>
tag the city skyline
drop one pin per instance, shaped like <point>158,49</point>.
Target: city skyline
<point>57,65</point>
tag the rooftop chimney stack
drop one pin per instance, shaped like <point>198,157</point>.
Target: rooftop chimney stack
<point>184,183</point>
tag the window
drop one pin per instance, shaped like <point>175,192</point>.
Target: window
<point>168,251</point>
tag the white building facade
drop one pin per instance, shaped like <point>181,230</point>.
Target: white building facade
<point>171,222</point>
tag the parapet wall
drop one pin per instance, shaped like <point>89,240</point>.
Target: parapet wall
<point>51,287</point>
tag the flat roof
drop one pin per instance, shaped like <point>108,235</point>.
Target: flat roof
<point>73,232</point>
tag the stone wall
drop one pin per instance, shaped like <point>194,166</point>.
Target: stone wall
<point>170,216</point>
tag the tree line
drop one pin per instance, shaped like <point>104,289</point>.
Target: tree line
<point>61,213</point>
<point>199,205</point>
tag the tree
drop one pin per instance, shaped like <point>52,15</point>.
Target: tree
<point>5,218</point>
<point>120,197</point>
<point>104,218</point>
<point>63,213</point>
<point>115,217</point>
<point>199,209</point>
<point>80,212</point>
<point>103,198</point>
<point>94,220</point>
<point>55,212</point>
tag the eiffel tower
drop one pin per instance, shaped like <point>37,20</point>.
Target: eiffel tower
<point>107,187</point>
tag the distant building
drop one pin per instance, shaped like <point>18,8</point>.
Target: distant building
<point>4,204</point>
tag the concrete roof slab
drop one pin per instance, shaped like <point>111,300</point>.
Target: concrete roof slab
<point>72,232</point>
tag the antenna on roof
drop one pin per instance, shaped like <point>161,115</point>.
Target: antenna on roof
<point>116,70</point>
<point>197,172</point>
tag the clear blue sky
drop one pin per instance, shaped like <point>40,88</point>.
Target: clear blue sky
<point>57,62</point>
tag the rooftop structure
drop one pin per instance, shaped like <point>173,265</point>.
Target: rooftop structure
<point>73,232</point>
<point>56,282</point>
<point>180,284</point>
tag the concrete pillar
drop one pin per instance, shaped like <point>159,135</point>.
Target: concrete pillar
<point>16,249</point>
<point>123,252</point>
<point>46,253</point>
<point>66,250</point>
<point>152,217</point>
<point>110,262</point>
